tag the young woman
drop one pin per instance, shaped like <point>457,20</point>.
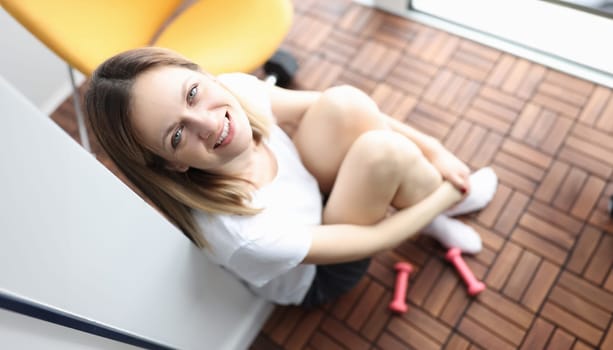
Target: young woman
<point>243,168</point>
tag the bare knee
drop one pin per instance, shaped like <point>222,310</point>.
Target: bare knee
<point>386,153</point>
<point>392,159</point>
<point>370,176</point>
<point>351,108</point>
<point>342,93</point>
<point>382,168</point>
<point>337,119</point>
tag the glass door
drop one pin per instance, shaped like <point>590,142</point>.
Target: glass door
<point>557,28</point>
<point>569,35</point>
<point>597,7</point>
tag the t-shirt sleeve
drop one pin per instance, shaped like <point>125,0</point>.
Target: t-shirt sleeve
<point>272,254</point>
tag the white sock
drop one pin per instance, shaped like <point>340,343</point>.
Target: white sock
<point>483,185</point>
<point>454,233</point>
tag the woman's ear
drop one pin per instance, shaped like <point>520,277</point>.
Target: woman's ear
<point>181,168</point>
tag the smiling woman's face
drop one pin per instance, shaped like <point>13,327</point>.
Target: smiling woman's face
<point>187,118</point>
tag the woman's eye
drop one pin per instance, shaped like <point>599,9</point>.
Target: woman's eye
<point>176,138</point>
<point>191,94</point>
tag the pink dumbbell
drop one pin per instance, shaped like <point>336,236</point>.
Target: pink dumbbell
<point>400,290</point>
<point>474,286</point>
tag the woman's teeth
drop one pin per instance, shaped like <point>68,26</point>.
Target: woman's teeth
<point>224,132</point>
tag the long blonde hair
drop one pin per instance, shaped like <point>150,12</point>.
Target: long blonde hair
<point>175,194</point>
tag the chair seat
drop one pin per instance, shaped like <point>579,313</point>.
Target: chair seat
<point>229,36</point>
<point>86,32</point>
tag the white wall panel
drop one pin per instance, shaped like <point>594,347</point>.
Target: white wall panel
<point>76,239</point>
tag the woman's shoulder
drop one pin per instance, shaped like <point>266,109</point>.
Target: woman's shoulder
<point>249,89</point>
<point>242,84</point>
<point>238,77</point>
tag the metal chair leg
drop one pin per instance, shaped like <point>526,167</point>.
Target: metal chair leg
<point>80,117</point>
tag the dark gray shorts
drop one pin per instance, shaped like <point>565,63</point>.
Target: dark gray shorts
<point>332,281</point>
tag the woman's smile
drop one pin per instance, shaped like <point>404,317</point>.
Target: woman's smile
<point>226,133</point>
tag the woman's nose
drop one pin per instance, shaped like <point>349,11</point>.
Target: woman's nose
<point>204,124</point>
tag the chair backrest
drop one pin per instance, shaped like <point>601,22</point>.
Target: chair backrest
<point>229,35</point>
<point>86,32</point>
<point>220,35</point>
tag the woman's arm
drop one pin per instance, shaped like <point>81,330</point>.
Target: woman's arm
<point>426,143</point>
<point>450,167</point>
<point>289,106</point>
<point>342,243</point>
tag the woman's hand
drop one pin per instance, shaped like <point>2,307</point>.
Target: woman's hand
<point>451,167</point>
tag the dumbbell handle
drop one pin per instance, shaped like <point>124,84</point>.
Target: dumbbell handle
<point>398,304</point>
<point>474,286</point>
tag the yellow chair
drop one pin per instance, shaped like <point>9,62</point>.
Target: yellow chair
<point>220,35</point>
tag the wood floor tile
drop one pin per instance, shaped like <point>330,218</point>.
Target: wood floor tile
<point>505,329</point>
<point>457,342</point>
<point>509,217</point>
<point>545,277</point>
<point>542,246</point>
<point>343,307</point>
<point>428,324</point>
<point>601,261</point>
<point>531,82</point>
<point>580,307</point>
<point>368,302</point>
<point>608,341</point>
<point>584,249</point>
<point>343,335</point>
<point>410,335</point>
<point>390,342</point>
<point>569,82</point>
<point>456,306</point>
<point>561,340</point>
<point>439,296</point>
<point>556,217</point>
<point>425,281</point>
<point>482,336</point>
<point>304,330</point>
<point>587,291</point>
<point>568,321</point>
<point>585,160</point>
<point>375,324</point>
<point>503,265</point>
<point>539,335</point>
<point>597,102</point>
<point>522,275</point>
<point>323,341</point>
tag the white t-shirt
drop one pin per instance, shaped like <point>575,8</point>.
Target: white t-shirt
<point>265,250</point>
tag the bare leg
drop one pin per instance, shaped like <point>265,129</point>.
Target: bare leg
<point>329,128</point>
<point>364,166</point>
<point>382,168</point>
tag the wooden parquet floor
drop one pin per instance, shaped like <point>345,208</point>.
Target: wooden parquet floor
<point>548,241</point>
